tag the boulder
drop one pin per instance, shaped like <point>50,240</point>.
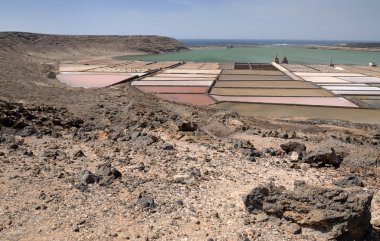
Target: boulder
<point>324,158</point>
<point>187,126</point>
<point>350,181</point>
<point>338,213</point>
<point>106,170</point>
<point>293,146</point>
<point>87,177</point>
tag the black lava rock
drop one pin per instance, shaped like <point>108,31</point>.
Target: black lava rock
<point>188,126</point>
<point>146,200</point>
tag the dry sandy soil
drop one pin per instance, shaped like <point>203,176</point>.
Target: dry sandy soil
<point>115,164</point>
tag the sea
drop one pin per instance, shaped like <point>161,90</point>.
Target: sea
<point>247,42</point>
<point>263,51</point>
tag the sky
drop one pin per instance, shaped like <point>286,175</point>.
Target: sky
<point>356,20</point>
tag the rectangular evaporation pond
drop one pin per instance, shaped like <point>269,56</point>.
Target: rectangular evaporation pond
<point>344,84</point>
<point>224,77</point>
<point>251,72</point>
<point>92,80</point>
<point>356,115</point>
<point>363,92</point>
<point>79,67</point>
<point>242,66</point>
<point>270,92</point>
<point>320,74</point>
<point>319,101</point>
<point>177,79</point>
<point>265,84</point>
<point>374,103</point>
<point>352,88</point>
<point>324,80</point>
<point>186,75</point>
<point>193,99</point>
<point>362,79</point>
<point>192,71</point>
<point>172,83</point>
<point>262,67</point>
<point>227,66</point>
<point>364,97</point>
<point>101,73</point>
<point>173,89</point>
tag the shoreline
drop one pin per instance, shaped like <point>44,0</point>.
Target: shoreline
<point>325,47</point>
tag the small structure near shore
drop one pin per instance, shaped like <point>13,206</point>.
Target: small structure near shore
<point>331,63</point>
<point>277,60</point>
<point>372,64</point>
<point>285,60</point>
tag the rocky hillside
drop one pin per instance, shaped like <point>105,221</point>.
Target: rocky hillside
<point>117,164</point>
<point>19,42</point>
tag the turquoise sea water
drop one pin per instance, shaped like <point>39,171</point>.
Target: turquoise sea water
<point>265,54</point>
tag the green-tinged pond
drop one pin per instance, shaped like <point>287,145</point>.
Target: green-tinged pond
<point>265,55</point>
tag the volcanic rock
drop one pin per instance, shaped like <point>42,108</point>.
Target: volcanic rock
<point>338,213</point>
<point>188,126</point>
<point>292,146</point>
<point>324,158</point>
<point>146,200</point>
<point>350,181</point>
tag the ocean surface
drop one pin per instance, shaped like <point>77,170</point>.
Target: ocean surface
<point>224,42</point>
<point>264,52</point>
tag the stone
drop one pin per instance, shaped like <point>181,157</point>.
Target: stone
<point>251,153</point>
<point>145,200</point>
<point>195,172</point>
<point>28,153</point>
<point>293,146</point>
<point>14,146</point>
<point>293,228</point>
<point>36,207</point>
<point>167,147</point>
<point>350,181</point>
<point>295,166</point>
<point>106,174</point>
<point>324,158</point>
<point>87,177</point>
<point>376,222</point>
<point>255,199</point>
<point>27,131</point>
<point>42,196</point>
<point>187,126</point>
<point>75,228</point>
<point>82,187</point>
<point>338,213</point>
<point>145,140</point>
<point>294,157</point>
<point>271,151</point>
<point>79,153</point>
<point>54,154</point>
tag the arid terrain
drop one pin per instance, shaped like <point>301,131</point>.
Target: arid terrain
<point>117,164</point>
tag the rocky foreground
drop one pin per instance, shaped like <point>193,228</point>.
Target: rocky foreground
<point>114,164</point>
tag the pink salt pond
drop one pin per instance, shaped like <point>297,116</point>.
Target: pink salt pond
<point>174,89</point>
<point>317,101</point>
<point>193,99</point>
<point>93,80</point>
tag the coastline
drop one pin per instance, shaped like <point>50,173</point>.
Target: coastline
<point>325,47</point>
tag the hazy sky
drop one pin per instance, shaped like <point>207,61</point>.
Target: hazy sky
<point>247,19</point>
